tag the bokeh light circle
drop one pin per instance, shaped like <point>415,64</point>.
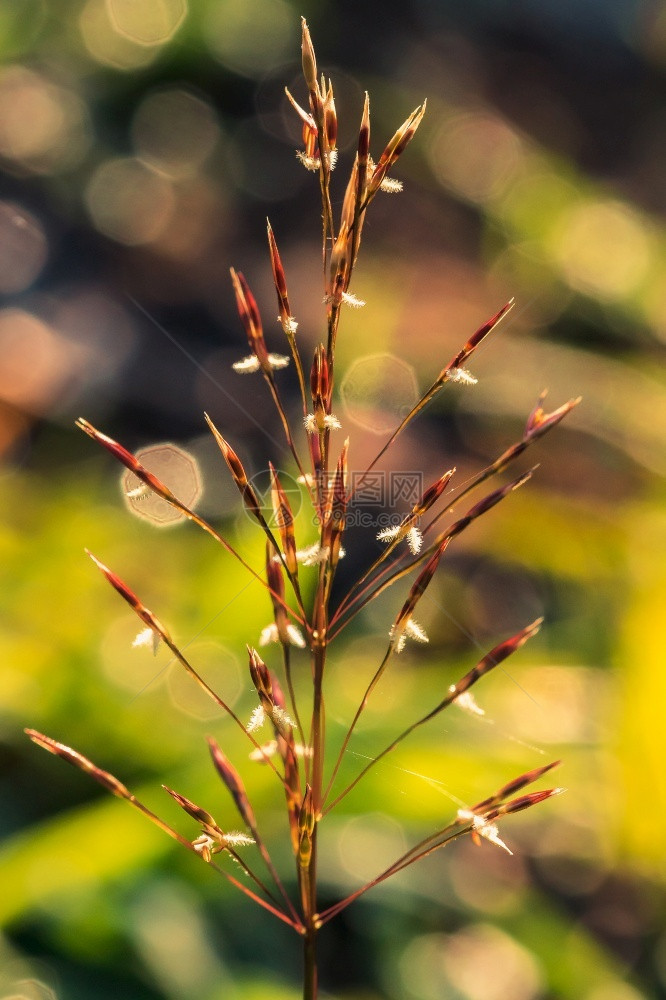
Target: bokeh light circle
<point>177,469</point>
<point>477,155</point>
<point>43,127</point>
<point>147,22</point>
<point>36,361</point>
<point>106,45</point>
<point>377,391</point>
<point>479,962</point>
<point>23,248</point>
<point>129,202</point>
<point>370,843</point>
<point>31,989</point>
<point>603,248</point>
<point>174,131</point>
<point>252,37</point>
<point>136,670</point>
<point>221,670</point>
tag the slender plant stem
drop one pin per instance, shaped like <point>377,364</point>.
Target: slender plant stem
<point>333,322</point>
<point>308,877</point>
<point>286,657</point>
<point>208,528</point>
<point>359,589</point>
<point>310,976</point>
<point>318,728</point>
<point>414,854</point>
<point>309,797</point>
<point>371,686</point>
<point>406,732</point>
<point>298,364</point>
<point>251,875</point>
<point>285,423</point>
<point>149,814</point>
<point>268,861</point>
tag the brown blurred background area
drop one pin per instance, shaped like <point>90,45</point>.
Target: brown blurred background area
<point>143,143</point>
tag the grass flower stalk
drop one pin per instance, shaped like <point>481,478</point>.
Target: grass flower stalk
<point>306,620</point>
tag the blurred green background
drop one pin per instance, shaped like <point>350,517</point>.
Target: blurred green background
<point>143,143</point>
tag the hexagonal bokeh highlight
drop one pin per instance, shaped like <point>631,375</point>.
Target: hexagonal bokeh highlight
<point>177,469</point>
<point>150,22</point>
<point>378,391</point>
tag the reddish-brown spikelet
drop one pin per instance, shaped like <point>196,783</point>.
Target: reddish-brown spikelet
<point>340,262</point>
<point>293,796</point>
<point>231,458</point>
<point>494,658</point>
<point>233,782</point>
<point>117,450</point>
<point>432,494</point>
<point>250,318</point>
<point>192,809</point>
<point>305,117</point>
<point>308,58</point>
<point>428,498</point>
<point>261,678</point>
<point>420,585</point>
<point>477,337</point>
<point>359,180</point>
<point>276,264</point>
<point>307,816</point>
<point>539,422</point>
<point>330,119</point>
<point>278,694</point>
<point>350,200</point>
<point>363,148</point>
<point>292,791</point>
<point>250,305</point>
<point>487,503</point>
<point>275,580</point>
<point>285,736</point>
<point>129,461</point>
<point>352,210</point>
<point>320,390</point>
<point>339,489</point>
<point>284,518</point>
<point>394,148</point>
<point>522,802</point>
<point>336,509</point>
<point>311,150</point>
<point>146,616</point>
<point>320,383</point>
<point>108,781</point>
<point>306,825</point>
<point>287,750</point>
<point>280,281</point>
<point>274,577</point>
<point>237,471</point>
<point>515,785</point>
<point>509,646</point>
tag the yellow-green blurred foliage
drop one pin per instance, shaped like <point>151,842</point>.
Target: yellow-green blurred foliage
<point>142,145</point>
